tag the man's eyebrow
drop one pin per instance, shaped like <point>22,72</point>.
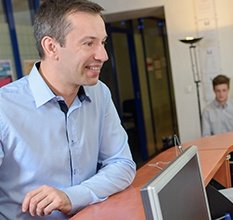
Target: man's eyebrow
<point>88,38</point>
<point>92,38</point>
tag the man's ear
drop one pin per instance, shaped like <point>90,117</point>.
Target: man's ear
<point>50,47</point>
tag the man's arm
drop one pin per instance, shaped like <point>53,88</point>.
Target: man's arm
<point>206,125</point>
<point>112,178</point>
<point>118,169</point>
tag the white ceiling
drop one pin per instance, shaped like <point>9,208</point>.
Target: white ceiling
<point>157,12</point>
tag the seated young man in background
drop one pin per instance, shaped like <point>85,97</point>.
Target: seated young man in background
<point>217,116</point>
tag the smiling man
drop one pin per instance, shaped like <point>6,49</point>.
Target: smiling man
<point>217,117</point>
<point>62,146</point>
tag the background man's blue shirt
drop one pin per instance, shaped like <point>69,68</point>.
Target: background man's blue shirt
<point>40,146</point>
<point>217,119</point>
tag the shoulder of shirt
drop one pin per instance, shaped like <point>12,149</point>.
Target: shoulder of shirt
<point>230,101</point>
<point>210,106</point>
<point>15,86</point>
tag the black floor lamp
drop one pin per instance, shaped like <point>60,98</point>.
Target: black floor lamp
<point>196,75</point>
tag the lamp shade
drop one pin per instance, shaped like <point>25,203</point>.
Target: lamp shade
<point>190,40</point>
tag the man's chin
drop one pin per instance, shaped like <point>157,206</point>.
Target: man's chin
<point>223,101</point>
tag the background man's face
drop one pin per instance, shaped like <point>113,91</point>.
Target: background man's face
<point>221,93</point>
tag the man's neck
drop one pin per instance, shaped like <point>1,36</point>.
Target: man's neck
<point>58,87</point>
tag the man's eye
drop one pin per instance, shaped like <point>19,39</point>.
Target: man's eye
<point>104,43</point>
<point>89,44</point>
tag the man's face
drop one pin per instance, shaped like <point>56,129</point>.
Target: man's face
<point>221,93</point>
<point>82,57</point>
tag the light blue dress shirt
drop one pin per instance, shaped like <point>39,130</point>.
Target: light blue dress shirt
<point>39,145</point>
<point>217,119</point>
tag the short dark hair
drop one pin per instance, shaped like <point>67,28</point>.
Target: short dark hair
<point>51,19</point>
<point>221,79</point>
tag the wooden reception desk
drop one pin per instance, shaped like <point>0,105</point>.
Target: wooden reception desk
<point>213,152</point>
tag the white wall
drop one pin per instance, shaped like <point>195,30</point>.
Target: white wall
<point>225,25</point>
<point>180,23</point>
<point>180,20</point>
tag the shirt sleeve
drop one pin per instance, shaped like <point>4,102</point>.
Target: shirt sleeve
<point>206,125</point>
<point>117,166</point>
<point>1,154</point>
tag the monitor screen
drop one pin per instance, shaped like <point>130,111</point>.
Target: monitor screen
<point>177,192</point>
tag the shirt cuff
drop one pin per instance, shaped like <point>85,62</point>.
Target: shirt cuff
<point>81,196</point>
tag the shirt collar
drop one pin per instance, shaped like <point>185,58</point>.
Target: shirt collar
<point>217,104</point>
<point>41,91</point>
<point>82,95</point>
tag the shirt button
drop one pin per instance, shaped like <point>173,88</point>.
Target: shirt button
<point>74,171</point>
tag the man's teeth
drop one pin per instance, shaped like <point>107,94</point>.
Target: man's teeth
<point>95,68</point>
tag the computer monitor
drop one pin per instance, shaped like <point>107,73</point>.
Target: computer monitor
<point>178,192</point>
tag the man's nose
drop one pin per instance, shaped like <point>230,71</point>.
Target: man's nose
<point>101,54</point>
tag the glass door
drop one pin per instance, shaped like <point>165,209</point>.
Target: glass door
<point>150,35</point>
<point>139,77</point>
<point>120,74</point>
